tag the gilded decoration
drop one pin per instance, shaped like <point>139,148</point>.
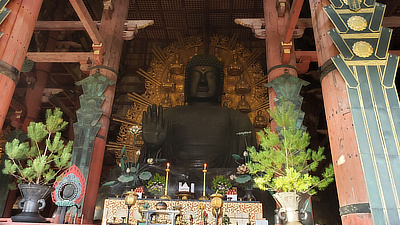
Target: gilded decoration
<point>239,212</point>
<point>357,23</point>
<point>164,85</point>
<point>347,2</point>
<point>374,104</point>
<point>362,49</point>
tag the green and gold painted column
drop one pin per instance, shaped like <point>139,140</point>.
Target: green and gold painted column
<point>369,72</point>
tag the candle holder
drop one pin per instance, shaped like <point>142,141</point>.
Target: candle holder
<point>166,196</point>
<point>204,197</point>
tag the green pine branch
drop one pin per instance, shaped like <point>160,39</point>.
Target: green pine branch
<point>283,163</point>
<point>30,164</point>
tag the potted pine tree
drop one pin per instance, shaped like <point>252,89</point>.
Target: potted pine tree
<point>283,163</point>
<point>35,164</point>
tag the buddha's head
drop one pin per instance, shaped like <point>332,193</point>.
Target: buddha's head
<point>204,79</point>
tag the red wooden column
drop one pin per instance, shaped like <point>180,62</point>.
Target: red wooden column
<point>17,28</point>
<point>111,31</point>
<point>275,29</point>
<point>350,182</point>
<point>33,97</point>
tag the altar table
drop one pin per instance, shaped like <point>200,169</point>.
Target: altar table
<point>239,212</point>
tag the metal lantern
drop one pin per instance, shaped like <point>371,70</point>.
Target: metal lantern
<point>130,200</point>
<point>216,204</point>
<point>216,200</point>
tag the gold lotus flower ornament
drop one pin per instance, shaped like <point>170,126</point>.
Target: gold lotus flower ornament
<point>362,49</point>
<point>135,129</point>
<point>357,23</point>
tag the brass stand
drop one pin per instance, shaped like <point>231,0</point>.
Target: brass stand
<point>204,197</point>
<point>185,195</point>
<point>165,196</point>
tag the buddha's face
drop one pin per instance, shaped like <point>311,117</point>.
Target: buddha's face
<point>203,82</point>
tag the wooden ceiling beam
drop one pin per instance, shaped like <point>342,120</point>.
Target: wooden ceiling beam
<point>313,54</point>
<point>80,56</point>
<point>60,56</point>
<point>293,17</point>
<point>60,25</point>
<point>87,21</point>
<point>393,21</point>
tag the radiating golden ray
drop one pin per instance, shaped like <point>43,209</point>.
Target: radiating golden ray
<point>148,76</point>
<point>137,98</point>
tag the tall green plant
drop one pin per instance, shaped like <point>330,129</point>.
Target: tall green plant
<point>30,163</point>
<point>283,163</point>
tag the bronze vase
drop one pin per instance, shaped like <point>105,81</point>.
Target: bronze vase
<point>33,201</point>
<point>292,203</point>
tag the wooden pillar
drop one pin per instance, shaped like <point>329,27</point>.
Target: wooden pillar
<point>111,31</point>
<point>275,31</point>
<point>18,29</point>
<point>350,182</point>
<point>33,98</point>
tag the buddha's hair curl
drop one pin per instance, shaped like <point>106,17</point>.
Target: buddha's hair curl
<point>204,60</point>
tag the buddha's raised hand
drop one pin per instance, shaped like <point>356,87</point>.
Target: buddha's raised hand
<point>154,129</point>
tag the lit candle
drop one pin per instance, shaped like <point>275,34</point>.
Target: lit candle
<point>165,196</point>
<point>204,197</point>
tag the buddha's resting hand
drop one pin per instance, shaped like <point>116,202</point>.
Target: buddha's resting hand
<point>154,129</point>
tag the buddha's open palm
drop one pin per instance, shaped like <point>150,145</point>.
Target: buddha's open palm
<point>154,129</point>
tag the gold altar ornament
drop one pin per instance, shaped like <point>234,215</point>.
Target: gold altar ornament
<point>216,204</point>
<point>131,198</point>
<point>204,197</point>
<point>166,196</point>
<point>216,200</point>
<point>357,23</point>
<point>362,49</point>
<point>252,210</point>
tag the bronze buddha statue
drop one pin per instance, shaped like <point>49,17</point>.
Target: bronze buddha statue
<point>201,131</point>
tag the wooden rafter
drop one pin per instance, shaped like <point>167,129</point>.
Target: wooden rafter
<point>257,24</point>
<point>87,21</point>
<point>81,56</point>
<point>293,17</point>
<point>59,56</point>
